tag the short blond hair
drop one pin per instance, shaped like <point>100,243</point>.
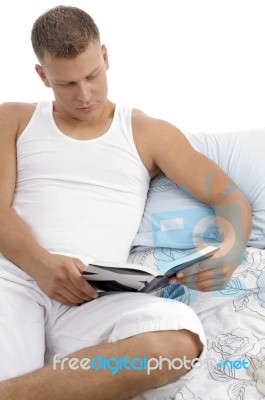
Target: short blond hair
<point>63,32</point>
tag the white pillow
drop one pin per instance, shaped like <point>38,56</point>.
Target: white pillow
<point>174,218</point>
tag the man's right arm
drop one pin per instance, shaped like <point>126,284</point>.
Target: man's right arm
<point>57,275</point>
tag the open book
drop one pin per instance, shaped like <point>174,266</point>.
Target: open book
<point>111,276</point>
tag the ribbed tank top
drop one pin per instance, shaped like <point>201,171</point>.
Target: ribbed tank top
<point>82,198</point>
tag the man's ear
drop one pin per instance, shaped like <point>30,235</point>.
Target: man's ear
<point>105,56</point>
<point>42,75</point>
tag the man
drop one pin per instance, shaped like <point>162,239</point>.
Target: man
<point>74,175</point>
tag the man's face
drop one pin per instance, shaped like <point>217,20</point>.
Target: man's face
<point>80,84</point>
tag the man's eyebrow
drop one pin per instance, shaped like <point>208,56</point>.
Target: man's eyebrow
<point>66,81</point>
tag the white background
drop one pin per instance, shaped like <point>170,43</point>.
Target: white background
<point>199,64</point>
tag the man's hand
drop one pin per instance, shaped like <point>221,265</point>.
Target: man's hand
<point>60,278</point>
<point>209,274</point>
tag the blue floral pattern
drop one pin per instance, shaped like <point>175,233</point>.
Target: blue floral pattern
<point>234,324</point>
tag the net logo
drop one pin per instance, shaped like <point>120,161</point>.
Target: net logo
<point>237,364</point>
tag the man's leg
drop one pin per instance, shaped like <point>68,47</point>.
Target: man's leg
<point>112,318</point>
<point>68,384</point>
<point>22,337</point>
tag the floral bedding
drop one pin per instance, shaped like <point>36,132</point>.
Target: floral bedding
<point>234,323</point>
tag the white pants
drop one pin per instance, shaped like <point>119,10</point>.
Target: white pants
<point>33,328</point>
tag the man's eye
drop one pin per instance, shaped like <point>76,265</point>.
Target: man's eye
<point>67,84</point>
<point>91,77</point>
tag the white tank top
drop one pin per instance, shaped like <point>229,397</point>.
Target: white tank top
<point>82,198</point>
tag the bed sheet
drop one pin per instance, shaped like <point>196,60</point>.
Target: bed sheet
<point>234,323</point>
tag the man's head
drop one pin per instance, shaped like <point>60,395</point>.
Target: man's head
<point>72,61</point>
<point>63,32</point>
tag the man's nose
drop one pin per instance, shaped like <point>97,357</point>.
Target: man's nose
<point>84,92</point>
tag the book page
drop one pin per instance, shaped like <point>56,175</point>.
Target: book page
<point>126,267</point>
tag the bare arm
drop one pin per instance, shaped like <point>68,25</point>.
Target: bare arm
<point>170,152</point>
<point>57,275</point>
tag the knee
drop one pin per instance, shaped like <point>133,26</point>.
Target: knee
<point>171,353</point>
<point>176,343</point>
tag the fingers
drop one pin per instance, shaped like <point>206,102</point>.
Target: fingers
<point>79,286</point>
<point>204,280</point>
<point>79,265</point>
<point>68,286</point>
<point>201,282</point>
<point>64,300</point>
<point>76,290</point>
<point>61,280</point>
<point>66,296</point>
<point>207,285</point>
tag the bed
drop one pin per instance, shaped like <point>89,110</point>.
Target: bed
<point>233,318</point>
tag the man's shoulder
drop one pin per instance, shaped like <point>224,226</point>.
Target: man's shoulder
<point>140,117</point>
<point>17,107</point>
<point>150,135</point>
<point>146,124</point>
<point>14,116</point>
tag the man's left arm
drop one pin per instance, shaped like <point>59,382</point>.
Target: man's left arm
<point>172,154</point>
